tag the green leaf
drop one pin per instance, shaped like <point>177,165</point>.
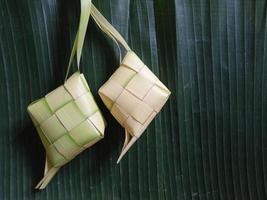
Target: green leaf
<point>208,142</point>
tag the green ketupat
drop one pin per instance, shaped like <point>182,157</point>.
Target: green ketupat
<point>67,119</point>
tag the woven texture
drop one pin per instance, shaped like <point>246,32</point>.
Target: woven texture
<point>67,120</point>
<point>134,96</point>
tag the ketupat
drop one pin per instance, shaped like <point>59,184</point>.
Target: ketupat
<point>67,119</point>
<point>133,94</point>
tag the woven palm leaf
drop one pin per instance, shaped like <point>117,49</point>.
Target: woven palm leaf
<point>68,121</point>
<point>134,96</point>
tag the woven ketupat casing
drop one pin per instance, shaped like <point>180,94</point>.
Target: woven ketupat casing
<point>134,96</point>
<point>67,120</point>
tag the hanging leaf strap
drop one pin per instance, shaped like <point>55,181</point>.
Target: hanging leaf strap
<point>105,26</point>
<point>80,35</point>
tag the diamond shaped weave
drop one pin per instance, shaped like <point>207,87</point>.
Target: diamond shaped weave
<point>134,96</point>
<point>68,121</point>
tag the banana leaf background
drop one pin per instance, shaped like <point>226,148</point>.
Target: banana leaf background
<point>209,141</point>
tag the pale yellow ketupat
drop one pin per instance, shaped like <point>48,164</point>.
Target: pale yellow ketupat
<point>67,119</point>
<point>133,94</point>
